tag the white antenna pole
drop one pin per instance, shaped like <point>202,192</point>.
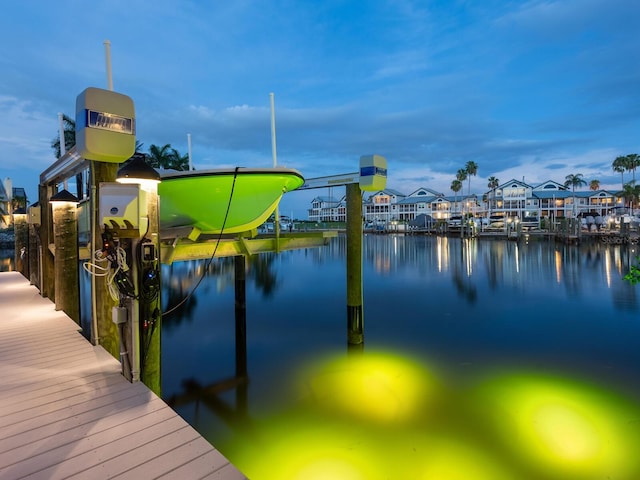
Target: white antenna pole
<point>189,151</point>
<point>107,52</point>
<point>63,146</point>
<point>275,162</point>
<point>273,131</point>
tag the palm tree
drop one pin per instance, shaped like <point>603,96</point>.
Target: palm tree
<point>632,162</point>
<point>179,162</point>
<point>492,184</point>
<point>594,185</point>
<point>461,176</point>
<point>471,168</point>
<point>456,186</point>
<point>167,157</point>
<point>69,133</point>
<point>631,194</point>
<point>619,165</point>
<point>573,181</point>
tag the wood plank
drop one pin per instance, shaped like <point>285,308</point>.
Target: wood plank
<point>67,412</point>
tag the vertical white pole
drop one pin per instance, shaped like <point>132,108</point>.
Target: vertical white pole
<point>63,147</point>
<point>107,51</point>
<point>276,221</point>
<point>189,151</point>
<point>273,131</point>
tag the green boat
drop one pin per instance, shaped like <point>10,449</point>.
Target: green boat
<point>223,200</point>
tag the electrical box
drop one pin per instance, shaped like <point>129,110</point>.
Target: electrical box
<point>123,206</point>
<point>105,125</point>
<point>34,217</point>
<point>373,172</point>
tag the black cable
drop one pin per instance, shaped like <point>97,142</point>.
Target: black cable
<point>215,249</point>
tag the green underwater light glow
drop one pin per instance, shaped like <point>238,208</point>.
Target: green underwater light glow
<point>382,416</point>
<point>377,387</point>
<point>565,427</point>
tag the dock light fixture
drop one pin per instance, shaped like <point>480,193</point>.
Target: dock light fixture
<point>64,196</point>
<point>138,171</point>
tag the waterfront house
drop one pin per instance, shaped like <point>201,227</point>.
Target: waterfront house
<point>383,206</point>
<point>11,199</point>
<point>328,209</point>
<point>511,199</point>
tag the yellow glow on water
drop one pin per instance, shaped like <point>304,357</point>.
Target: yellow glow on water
<point>377,387</point>
<point>564,426</point>
<point>451,459</point>
<point>376,416</point>
<point>567,432</point>
<point>298,446</point>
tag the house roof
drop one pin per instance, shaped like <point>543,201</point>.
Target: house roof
<point>422,191</point>
<point>548,186</point>
<point>413,200</point>
<point>512,181</point>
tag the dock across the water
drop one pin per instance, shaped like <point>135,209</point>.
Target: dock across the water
<point>67,412</point>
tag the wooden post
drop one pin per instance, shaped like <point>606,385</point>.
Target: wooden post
<point>65,233</point>
<point>21,243</point>
<point>47,287</point>
<point>150,311</point>
<point>107,331</point>
<point>241,316</point>
<point>34,264</point>
<point>241,334</point>
<point>355,319</point>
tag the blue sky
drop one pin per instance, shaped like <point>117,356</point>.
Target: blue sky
<point>526,89</point>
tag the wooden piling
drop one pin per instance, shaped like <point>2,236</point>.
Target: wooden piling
<point>47,287</point>
<point>34,253</point>
<point>150,310</point>
<point>355,319</point>
<point>240,316</point>
<point>107,332</point>
<point>21,244</point>
<point>65,234</point>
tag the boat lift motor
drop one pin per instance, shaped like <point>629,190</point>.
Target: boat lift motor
<point>373,173</point>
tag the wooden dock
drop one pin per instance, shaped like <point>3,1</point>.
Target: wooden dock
<point>67,412</point>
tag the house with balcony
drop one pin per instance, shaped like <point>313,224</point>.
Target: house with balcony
<point>514,198</point>
<point>328,209</point>
<point>382,206</point>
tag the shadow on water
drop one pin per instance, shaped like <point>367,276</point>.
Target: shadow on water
<point>482,360</point>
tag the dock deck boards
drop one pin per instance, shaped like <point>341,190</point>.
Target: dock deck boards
<point>67,412</point>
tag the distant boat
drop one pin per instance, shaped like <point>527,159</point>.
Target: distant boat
<point>230,200</point>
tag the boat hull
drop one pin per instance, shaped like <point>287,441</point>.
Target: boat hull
<point>223,200</point>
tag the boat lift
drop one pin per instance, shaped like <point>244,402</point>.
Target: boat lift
<point>371,177</point>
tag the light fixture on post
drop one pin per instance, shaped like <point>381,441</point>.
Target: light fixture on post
<point>65,240</point>
<point>138,171</point>
<point>64,196</point>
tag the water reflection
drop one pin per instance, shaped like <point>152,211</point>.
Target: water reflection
<point>183,283</point>
<point>6,260</point>
<point>468,345</point>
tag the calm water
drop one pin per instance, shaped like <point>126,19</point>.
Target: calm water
<point>482,360</point>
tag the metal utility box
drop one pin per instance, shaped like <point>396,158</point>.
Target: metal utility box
<point>123,206</point>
